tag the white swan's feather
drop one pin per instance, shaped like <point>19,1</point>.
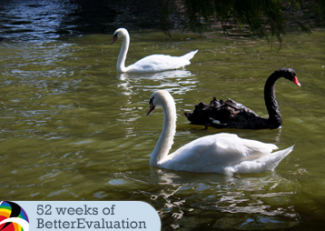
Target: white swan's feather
<point>189,55</point>
<point>221,153</point>
<point>151,63</point>
<point>155,63</point>
<point>263,164</point>
<point>215,153</point>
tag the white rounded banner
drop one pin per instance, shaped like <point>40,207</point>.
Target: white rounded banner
<point>90,215</point>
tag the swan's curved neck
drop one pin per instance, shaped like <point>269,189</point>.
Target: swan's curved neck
<point>166,138</point>
<point>120,66</point>
<point>275,117</point>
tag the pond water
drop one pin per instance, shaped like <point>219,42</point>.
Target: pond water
<point>72,128</point>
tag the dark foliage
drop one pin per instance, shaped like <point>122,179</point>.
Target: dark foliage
<point>264,18</point>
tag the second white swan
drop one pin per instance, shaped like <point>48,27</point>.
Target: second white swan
<point>221,153</point>
<point>151,63</point>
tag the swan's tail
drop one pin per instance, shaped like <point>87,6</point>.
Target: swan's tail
<point>189,55</point>
<point>263,164</point>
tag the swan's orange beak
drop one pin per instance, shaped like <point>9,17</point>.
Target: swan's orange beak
<point>295,80</point>
<point>114,39</point>
<point>151,109</point>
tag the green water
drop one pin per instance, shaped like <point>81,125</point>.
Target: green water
<point>72,128</point>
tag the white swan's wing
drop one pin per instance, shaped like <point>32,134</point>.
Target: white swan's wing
<point>234,148</point>
<point>154,63</point>
<point>263,164</point>
<point>207,154</point>
<point>189,55</point>
<point>256,149</point>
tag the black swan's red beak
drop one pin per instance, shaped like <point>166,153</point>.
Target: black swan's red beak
<point>295,80</point>
<point>151,109</point>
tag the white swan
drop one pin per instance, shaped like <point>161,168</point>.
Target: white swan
<point>221,153</point>
<point>151,63</point>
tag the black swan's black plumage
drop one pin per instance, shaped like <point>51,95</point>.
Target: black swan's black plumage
<point>230,114</point>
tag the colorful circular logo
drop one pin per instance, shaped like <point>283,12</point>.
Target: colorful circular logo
<point>13,217</point>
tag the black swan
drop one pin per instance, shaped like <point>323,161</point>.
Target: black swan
<point>230,114</point>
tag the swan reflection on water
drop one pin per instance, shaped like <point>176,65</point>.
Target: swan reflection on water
<point>254,197</point>
<point>155,75</point>
<point>175,80</point>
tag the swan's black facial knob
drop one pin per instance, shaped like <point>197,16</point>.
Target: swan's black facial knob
<point>152,106</point>
<point>114,38</point>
